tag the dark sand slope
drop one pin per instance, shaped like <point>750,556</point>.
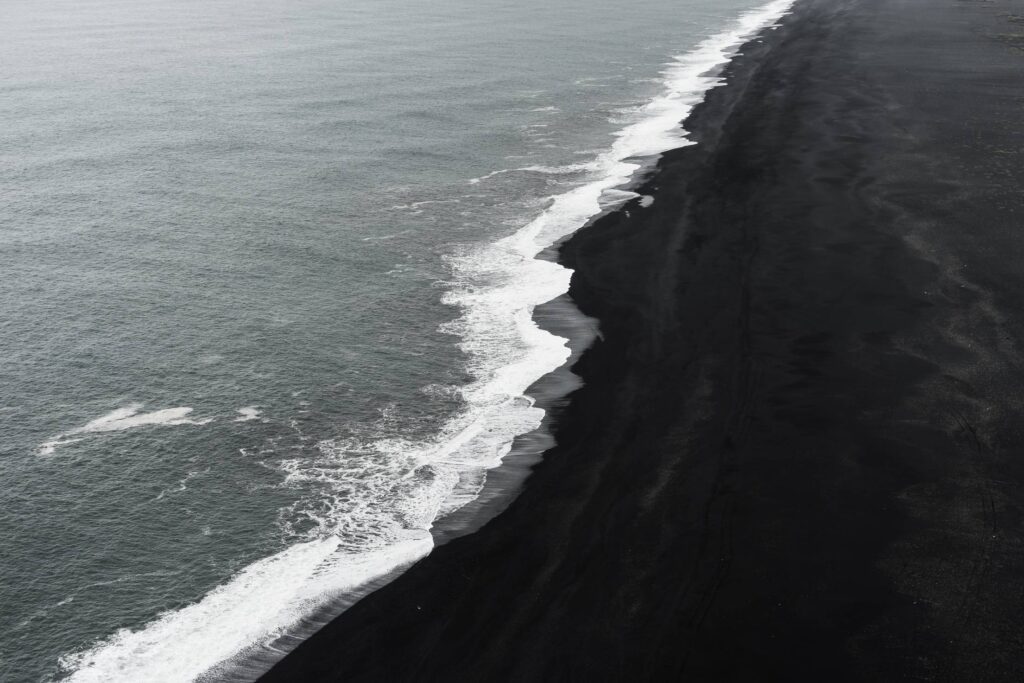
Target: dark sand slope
<point>799,454</point>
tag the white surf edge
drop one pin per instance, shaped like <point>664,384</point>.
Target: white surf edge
<point>507,352</point>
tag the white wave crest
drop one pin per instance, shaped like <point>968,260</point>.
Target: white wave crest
<point>547,170</point>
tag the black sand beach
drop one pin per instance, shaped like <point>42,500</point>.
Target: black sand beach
<point>799,451</point>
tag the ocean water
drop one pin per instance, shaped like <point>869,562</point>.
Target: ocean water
<point>268,279</point>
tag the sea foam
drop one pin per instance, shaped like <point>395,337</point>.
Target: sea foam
<point>181,645</point>
<point>248,413</point>
<point>406,486</point>
<point>121,419</point>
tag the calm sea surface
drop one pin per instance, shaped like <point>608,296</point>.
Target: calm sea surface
<point>267,274</point>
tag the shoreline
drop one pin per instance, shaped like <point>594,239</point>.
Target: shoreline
<point>787,451</point>
<point>551,393</point>
<point>563,329</point>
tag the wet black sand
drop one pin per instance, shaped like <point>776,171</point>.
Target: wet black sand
<point>799,453</point>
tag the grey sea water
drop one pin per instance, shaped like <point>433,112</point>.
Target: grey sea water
<point>267,280</point>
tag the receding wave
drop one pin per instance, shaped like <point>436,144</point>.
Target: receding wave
<point>371,502</point>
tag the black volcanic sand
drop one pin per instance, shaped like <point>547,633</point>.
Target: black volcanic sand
<point>798,455</point>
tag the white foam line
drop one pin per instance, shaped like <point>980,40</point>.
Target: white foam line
<point>496,288</point>
<point>426,202</point>
<point>474,181</point>
<point>548,170</point>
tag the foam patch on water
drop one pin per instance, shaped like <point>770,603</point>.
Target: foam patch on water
<point>368,504</point>
<point>122,419</point>
<point>248,414</point>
